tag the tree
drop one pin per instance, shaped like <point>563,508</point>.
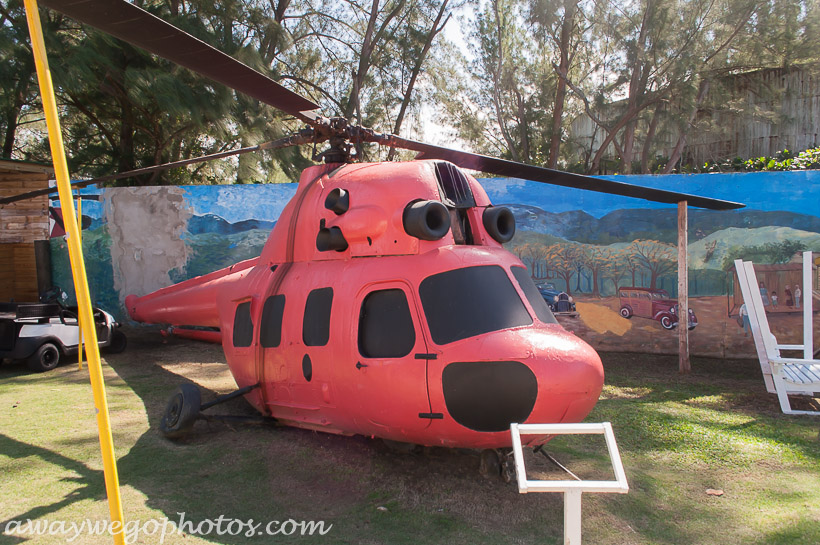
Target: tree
<point>656,257</point>
<point>596,259</point>
<point>19,102</point>
<point>561,26</point>
<point>500,107</point>
<point>563,258</point>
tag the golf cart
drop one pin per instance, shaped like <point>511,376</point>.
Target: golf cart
<point>42,333</point>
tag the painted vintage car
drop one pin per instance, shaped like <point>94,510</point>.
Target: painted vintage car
<point>654,304</point>
<point>559,301</point>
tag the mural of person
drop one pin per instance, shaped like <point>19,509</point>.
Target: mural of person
<point>774,299</point>
<point>789,298</point>
<point>797,294</point>
<point>764,294</point>
<point>743,319</point>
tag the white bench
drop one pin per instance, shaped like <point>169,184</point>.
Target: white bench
<point>788,375</point>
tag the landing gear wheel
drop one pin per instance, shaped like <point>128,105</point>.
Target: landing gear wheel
<point>490,463</point>
<point>667,323</point>
<point>181,412</point>
<point>117,344</point>
<point>45,359</point>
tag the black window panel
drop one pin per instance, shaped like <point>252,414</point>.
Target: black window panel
<point>466,302</point>
<point>270,334</point>
<point>385,325</point>
<point>243,325</point>
<point>316,324</point>
<point>542,310</point>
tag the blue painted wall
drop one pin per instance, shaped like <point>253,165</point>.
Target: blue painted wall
<point>225,224</point>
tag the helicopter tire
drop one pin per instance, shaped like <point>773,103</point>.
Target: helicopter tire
<point>117,343</point>
<point>181,412</point>
<point>46,358</point>
<point>490,465</point>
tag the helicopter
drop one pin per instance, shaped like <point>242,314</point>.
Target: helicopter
<point>383,303</point>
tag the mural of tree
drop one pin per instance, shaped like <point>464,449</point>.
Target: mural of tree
<point>564,259</point>
<point>616,268</point>
<point>656,257</point>
<point>535,254</point>
<point>632,264</point>
<point>596,259</point>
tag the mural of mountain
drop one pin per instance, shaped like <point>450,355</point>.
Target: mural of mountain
<point>711,251</point>
<point>211,223</point>
<point>630,224</point>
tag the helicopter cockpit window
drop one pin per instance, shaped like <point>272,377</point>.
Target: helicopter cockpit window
<point>243,325</point>
<point>467,302</point>
<point>270,334</point>
<point>316,324</point>
<point>542,310</point>
<point>385,325</point>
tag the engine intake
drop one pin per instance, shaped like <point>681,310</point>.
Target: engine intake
<point>426,220</point>
<point>499,223</point>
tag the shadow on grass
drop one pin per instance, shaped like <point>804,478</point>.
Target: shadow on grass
<point>90,483</point>
<point>275,474</point>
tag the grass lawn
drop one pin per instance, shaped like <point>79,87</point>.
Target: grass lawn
<point>678,436</point>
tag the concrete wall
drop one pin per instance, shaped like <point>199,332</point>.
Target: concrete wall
<point>587,244</point>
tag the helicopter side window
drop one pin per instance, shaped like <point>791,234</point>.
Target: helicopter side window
<point>542,310</point>
<point>467,302</point>
<point>316,323</point>
<point>271,326</point>
<point>385,325</point>
<point>243,325</point>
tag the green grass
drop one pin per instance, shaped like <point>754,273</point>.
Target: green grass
<point>678,436</point>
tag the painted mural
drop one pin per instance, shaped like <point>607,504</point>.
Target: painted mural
<point>610,260</point>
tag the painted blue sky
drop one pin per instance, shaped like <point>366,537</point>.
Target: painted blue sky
<point>797,191</point>
<point>789,191</point>
<point>235,203</point>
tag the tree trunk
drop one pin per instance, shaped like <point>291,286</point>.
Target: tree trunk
<point>650,137</point>
<point>703,90</point>
<point>408,92</point>
<point>561,87</point>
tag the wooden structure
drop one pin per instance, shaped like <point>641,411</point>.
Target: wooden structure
<point>779,109</point>
<point>783,375</point>
<point>25,268</point>
<point>774,279</point>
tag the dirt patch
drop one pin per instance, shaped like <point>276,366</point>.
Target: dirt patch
<point>716,335</point>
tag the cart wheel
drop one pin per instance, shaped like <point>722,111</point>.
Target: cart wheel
<point>117,343</point>
<point>46,358</point>
<point>181,412</point>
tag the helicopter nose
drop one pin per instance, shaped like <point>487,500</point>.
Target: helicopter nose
<point>559,381</point>
<point>571,377</point>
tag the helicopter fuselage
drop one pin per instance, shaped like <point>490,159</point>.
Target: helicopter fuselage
<point>355,320</point>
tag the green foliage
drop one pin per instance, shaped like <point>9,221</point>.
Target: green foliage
<point>771,252</point>
<point>784,160</point>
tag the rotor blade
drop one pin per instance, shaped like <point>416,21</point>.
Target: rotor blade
<point>502,167</point>
<point>138,27</point>
<point>302,137</point>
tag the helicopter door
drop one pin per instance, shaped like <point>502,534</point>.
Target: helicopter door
<point>389,366</point>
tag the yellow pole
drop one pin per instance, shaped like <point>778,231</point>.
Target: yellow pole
<point>112,485</point>
<point>80,241</point>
